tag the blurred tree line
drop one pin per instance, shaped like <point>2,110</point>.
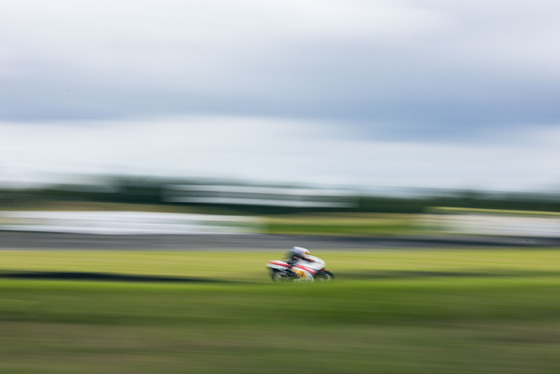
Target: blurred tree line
<point>138,190</point>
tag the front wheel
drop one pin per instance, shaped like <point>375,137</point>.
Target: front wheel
<point>281,276</point>
<point>324,276</point>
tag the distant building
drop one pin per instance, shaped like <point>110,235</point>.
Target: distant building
<point>260,196</point>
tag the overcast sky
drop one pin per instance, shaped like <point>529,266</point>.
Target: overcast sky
<point>426,93</point>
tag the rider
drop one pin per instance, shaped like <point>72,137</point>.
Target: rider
<point>297,254</point>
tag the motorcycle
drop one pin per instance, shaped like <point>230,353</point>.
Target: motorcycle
<point>301,271</point>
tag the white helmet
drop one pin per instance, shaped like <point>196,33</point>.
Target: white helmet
<point>300,251</point>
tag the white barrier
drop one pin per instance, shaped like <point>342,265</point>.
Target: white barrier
<point>494,222</point>
<point>126,223</point>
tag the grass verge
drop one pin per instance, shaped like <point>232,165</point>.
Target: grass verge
<point>389,312</point>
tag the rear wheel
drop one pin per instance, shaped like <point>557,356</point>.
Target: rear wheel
<point>324,276</point>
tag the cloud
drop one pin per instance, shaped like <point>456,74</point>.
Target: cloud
<point>193,37</point>
<point>414,69</point>
<point>273,150</point>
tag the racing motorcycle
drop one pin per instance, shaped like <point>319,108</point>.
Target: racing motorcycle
<point>301,271</point>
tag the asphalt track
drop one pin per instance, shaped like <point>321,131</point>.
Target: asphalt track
<point>35,240</point>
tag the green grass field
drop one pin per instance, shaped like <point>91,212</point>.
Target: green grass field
<point>401,311</point>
